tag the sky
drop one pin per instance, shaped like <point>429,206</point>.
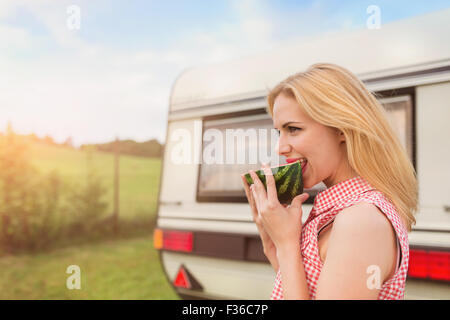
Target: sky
<point>109,73</point>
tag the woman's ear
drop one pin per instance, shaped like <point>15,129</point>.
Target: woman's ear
<point>341,137</point>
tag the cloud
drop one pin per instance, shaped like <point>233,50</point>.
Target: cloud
<point>13,37</point>
<point>86,91</point>
<point>250,31</point>
<point>64,86</point>
<point>91,92</point>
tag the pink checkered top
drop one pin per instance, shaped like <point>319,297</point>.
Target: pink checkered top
<point>327,205</point>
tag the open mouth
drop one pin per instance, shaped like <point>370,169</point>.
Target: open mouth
<point>303,162</point>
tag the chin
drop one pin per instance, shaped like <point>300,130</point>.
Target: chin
<point>308,185</point>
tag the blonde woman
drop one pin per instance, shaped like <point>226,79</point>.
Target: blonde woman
<point>354,243</point>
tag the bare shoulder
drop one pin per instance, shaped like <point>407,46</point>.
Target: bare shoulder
<point>361,237</point>
<point>364,215</point>
<point>366,226</point>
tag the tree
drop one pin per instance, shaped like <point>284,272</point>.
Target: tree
<point>49,140</point>
<point>68,142</point>
<point>86,205</point>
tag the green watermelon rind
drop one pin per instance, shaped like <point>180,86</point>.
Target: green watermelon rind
<point>297,182</point>
<point>284,186</point>
<point>287,189</point>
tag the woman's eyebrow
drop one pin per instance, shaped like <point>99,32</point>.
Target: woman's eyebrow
<point>290,122</point>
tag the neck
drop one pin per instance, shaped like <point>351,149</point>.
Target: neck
<point>343,173</point>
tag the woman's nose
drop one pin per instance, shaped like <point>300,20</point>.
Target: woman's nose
<point>282,147</point>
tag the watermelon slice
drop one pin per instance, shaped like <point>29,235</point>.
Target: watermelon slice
<point>288,180</point>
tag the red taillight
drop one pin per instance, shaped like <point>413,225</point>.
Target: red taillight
<point>429,264</point>
<point>173,240</point>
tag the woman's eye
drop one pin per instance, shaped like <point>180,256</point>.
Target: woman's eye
<point>293,129</point>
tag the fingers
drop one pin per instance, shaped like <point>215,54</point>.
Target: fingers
<point>250,199</point>
<point>246,186</point>
<point>271,186</point>
<point>259,191</point>
<point>299,200</point>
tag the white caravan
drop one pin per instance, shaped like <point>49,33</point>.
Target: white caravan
<point>209,245</point>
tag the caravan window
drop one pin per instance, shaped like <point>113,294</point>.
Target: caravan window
<point>228,150</point>
<point>231,147</point>
<point>399,111</point>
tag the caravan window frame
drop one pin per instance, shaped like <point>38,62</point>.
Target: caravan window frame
<point>395,94</point>
<point>224,198</point>
<point>388,95</point>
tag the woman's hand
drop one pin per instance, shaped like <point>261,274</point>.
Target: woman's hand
<point>283,225</point>
<point>269,248</point>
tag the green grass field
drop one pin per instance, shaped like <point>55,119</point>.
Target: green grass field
<point>122,269</point>
<point>139,177</point>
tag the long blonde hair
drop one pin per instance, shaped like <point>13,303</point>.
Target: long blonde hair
<point>334,97</point>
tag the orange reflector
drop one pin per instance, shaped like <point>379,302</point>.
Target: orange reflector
<point>158,239</point>
<point>182,279</point>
